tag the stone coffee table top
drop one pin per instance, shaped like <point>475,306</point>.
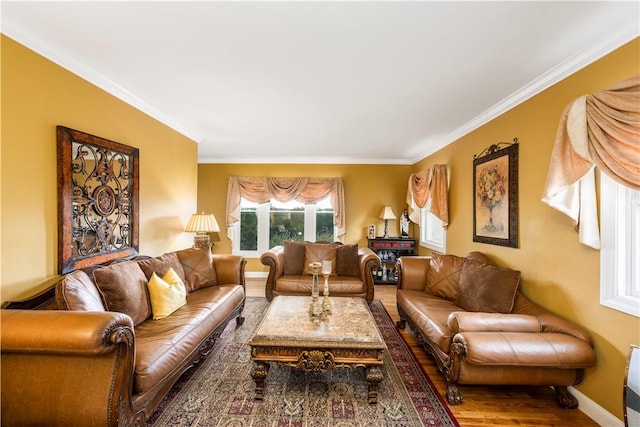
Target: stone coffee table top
<point>287,321</point>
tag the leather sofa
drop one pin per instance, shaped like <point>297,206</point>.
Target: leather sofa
<point>472,318</point>
<point>288,273</point>
<point>87,351</point>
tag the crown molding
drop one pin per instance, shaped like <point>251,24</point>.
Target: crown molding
<point>571,65</point>
<point>71,64</point>
<point>305,161</point>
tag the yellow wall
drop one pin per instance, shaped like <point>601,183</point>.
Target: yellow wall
<point>38,95</point>
<point>367,189</point>
<point>557,271</point>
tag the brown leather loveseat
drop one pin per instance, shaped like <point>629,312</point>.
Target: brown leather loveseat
<point>352,269</point>
<point>88,352</point>
<point>471,317</point>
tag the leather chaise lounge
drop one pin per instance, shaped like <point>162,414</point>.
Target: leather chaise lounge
<point>87,351</point>
<point>472,318</point>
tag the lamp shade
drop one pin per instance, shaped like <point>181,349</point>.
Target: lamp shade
<point>202,223</point>
<point>387,213</point>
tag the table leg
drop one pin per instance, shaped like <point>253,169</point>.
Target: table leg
<point>374,376</point>
<point>259,374</point>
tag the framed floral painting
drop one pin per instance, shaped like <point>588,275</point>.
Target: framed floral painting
<point>495,195</point>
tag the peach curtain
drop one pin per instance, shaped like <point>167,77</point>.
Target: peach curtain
<point>431,184</point>
<point>304,189</point>
<point>603,130</point>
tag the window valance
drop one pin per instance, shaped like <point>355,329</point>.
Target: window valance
<point>603,130</point>
<point>432,183</point>
<point>302,189</point>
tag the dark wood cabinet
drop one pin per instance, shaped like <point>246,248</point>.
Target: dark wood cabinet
<point>389,251</point>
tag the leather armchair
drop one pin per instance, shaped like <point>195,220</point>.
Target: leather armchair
<point>359,283</point>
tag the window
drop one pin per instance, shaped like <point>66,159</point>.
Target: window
<point>432,234</point>
<point>620,251</point>
<point>265,225</point>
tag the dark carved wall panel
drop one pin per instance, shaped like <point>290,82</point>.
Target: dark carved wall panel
<point>97,199</point>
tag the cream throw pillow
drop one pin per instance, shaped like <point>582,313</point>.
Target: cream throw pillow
<point>167,294</point>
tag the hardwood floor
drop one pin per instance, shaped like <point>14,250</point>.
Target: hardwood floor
<point>483,405</point>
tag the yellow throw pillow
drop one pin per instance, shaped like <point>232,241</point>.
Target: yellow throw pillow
<point>167,294</point>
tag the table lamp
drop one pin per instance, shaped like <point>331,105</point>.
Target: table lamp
<point>387,214</point>
<point>202,224</point>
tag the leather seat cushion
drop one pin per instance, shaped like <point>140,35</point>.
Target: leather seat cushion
<point>76,291</point>
<point>347,261</point>
<point>430,314</point>
<point>301,285</point>
<point>123,287</point>
<point>162,345</point>
<point>318,252</point>
<point>443,275</point>
<point>161,264</point>
<point>293,256</point>
<point>487,288</point>
<point>199,271</point>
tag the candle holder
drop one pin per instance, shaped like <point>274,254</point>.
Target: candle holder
<point>326,272</point>
<point>315,310</point>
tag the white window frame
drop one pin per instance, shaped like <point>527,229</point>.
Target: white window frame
<point>432,235</point>
<point>263,227</point>
<point>620,246</point>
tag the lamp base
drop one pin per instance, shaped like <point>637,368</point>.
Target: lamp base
<point>202,241</point>
<point>386,228</point>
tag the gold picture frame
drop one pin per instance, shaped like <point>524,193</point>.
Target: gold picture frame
<point>495,195</point>
<point>98,182</point>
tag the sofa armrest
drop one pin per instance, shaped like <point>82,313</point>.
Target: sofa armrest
<point>412,272</point>
<point>230,269</point>
<point>368,261</point>
<point>464,321</point>
<point>66,368</point>
<point>274,259</point>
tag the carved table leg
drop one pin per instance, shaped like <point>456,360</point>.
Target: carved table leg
<point>374,376</point>
<point>259,374</point>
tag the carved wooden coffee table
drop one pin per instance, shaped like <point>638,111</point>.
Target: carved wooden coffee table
<point>347,338</point>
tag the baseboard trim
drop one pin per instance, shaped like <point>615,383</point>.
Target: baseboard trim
<point>594,411</point>
<point>256,274</point>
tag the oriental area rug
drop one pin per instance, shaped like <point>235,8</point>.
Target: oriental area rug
<point>220,392</point>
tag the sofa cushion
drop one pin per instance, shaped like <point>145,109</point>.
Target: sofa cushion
<point>76,291</point>
<point>167,294</point>
<point>293,256</point>
<point>443,276</point>
<point>123,287</point>
<point>161,264</point>
<point>162,346</point>
<point>347,260</point>
<point>487,288</point>
<point>199,271</point>
<point>318,252</point>
<point>302,284</point>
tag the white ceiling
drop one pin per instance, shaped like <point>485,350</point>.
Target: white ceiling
<point>322,82</point>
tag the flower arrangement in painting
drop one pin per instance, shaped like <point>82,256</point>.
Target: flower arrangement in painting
<point>490,191</point>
